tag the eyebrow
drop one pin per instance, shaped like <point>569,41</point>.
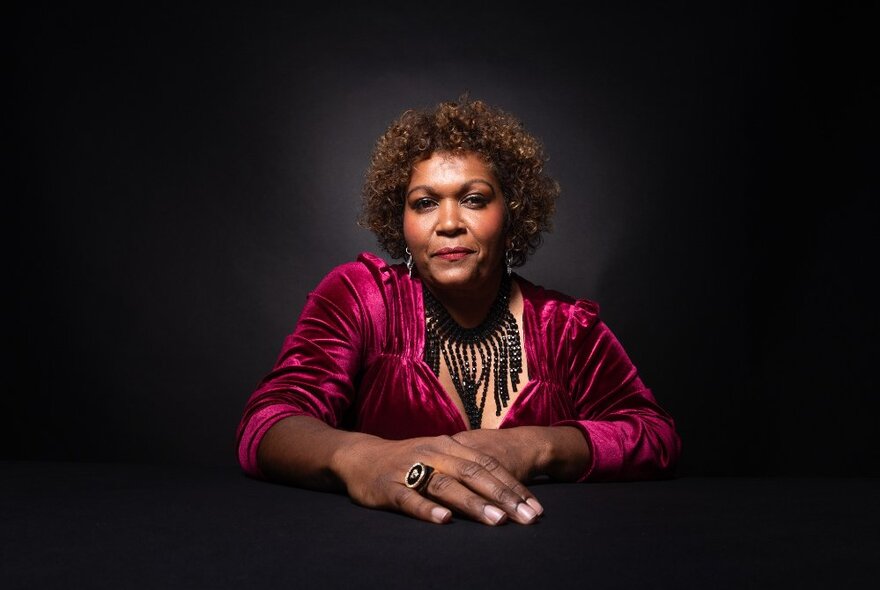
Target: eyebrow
<point>464,186</point>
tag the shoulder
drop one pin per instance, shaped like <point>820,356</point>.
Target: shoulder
<point>366,269</point>
<point>556,307</point>
<point>366,279</point>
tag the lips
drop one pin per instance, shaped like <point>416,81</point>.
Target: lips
<point>456,253</point>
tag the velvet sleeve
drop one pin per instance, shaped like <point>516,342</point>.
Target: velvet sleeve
<point>316,369</point>
<point>629,434</point>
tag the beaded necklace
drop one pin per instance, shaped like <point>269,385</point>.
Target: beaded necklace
<point>495,342</point>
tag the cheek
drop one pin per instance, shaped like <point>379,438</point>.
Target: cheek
<point>491,227</point>
<point>411,230</point>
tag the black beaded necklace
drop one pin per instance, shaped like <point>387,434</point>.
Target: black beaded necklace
<point>495,342</point>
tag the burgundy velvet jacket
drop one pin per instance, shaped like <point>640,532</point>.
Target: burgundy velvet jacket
<point>355,361</point>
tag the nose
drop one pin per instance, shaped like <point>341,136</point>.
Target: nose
<point>449,218</point>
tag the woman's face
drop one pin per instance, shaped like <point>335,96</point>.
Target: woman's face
<point>453,222</point>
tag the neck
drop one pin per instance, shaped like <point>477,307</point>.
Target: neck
<point>469,307</point>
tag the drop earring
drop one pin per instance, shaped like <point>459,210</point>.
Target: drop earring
<point>409,261</point>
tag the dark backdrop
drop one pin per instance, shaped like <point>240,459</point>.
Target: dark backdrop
<point>182,177</point>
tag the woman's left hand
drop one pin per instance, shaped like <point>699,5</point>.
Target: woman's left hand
<point>529,451</point>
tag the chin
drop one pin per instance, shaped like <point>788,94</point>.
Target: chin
<point>457,278</point>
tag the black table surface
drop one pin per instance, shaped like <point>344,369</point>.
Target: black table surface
<point>82,525</point>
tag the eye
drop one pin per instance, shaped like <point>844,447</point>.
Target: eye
<point>475,200</point>
<point>422,204</point>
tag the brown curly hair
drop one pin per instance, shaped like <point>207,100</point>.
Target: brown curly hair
<point>515,156</point>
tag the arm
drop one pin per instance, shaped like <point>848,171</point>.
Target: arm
<point>618,431</point>
<point>314,373</point>
<point>629,434</point>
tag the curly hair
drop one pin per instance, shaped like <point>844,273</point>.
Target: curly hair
<point>463,126</point>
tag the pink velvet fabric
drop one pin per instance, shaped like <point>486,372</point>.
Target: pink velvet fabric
<point>354,361</point>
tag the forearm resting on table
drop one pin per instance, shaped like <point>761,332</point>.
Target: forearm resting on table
<point>567,454</point>
<point>306,452</point>
<point>528,452</point>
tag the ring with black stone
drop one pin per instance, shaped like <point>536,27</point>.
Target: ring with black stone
<point>418,476</point>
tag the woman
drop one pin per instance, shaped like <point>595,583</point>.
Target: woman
<point>445,384</point>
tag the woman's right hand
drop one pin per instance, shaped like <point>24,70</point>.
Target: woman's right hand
<point>464,481</point>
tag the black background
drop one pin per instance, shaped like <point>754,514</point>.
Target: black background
<point>183,175</point>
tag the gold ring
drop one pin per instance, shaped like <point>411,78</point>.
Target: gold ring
<point>418,475</point>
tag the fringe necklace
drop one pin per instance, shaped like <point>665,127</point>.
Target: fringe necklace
<point>495,342</point>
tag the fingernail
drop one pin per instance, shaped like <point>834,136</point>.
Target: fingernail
<point>440,515</point>
<point>525,511</point>
<point>493,513</point>
<point>536,505</point>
